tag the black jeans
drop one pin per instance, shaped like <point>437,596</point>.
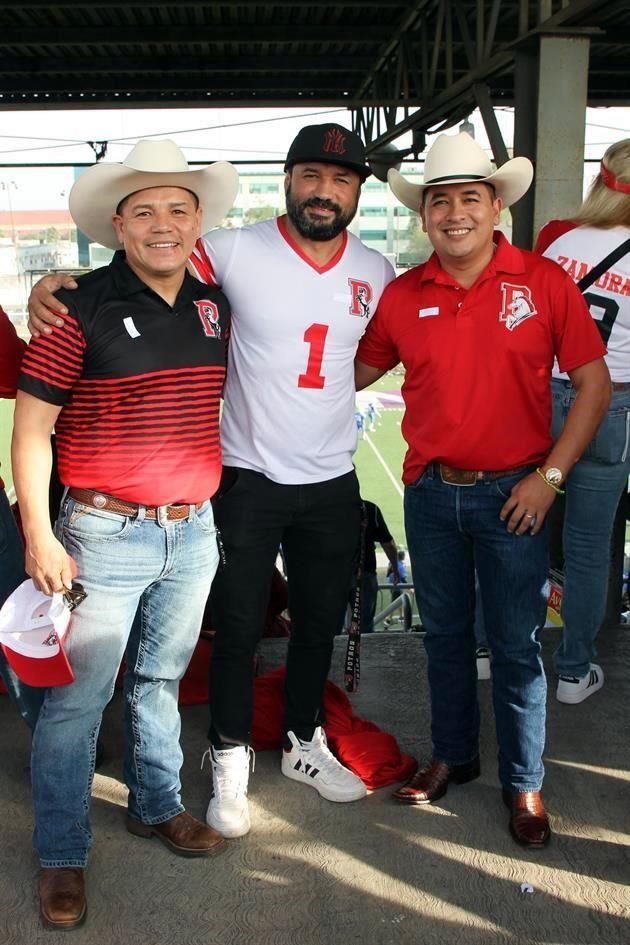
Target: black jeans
<point>318,526</point>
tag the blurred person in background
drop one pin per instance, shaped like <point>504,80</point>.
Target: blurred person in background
<point>595,240</point>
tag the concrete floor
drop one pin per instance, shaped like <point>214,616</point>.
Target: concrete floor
<point>373,872</point>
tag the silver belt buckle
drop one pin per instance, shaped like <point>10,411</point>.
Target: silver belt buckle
<point>161,512</point>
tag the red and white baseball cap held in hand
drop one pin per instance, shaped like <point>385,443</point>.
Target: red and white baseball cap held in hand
<point>33,629</point>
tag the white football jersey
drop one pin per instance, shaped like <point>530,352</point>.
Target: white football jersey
<point>289,395</point>
<point>578,250</point>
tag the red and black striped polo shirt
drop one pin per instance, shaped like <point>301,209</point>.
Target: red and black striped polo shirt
<point>139,383</point>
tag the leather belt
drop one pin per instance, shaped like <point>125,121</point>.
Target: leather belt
<point>469,477</point>
<point>109,503</point>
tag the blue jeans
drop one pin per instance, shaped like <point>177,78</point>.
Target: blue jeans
<point>593,491</point>
<point>451,531</point>
<point>480,622</point>
<point>126,565</point>
<point>26,699</point>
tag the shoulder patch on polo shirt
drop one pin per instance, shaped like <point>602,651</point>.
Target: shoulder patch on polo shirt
<point>129,324</point>
<point>517,305</point>
<point>429,312</point>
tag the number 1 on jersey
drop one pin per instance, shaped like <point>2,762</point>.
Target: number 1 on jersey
<point>315,338</point>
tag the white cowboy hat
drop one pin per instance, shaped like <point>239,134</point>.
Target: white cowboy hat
<point>457,159</point>
<point>151,163</point>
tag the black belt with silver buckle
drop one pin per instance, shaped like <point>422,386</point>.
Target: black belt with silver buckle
<point>470,477</point>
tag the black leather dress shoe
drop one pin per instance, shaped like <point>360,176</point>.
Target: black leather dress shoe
<point>432,782</point>
<point>528,819</point>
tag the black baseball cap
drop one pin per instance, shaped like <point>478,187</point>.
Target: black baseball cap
<point>328,144</point>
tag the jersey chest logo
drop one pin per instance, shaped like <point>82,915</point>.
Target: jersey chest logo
<point>209,317</point>
<point>517,305</point>
<point>360,297</point>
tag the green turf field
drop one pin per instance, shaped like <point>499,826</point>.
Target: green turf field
<point>379,459</point>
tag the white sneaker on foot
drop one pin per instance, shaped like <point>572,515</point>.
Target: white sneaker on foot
<point>314,764</point>
<point>483,663</point>
<point>572,689</point>
<point>228,810</point>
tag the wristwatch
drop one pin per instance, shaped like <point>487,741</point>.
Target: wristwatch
<point>553,475</point>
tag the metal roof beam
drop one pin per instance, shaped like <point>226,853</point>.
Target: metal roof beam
<point>140,35</point>
<point>498,53</point>
<point>183,5</point>
<point>38,66</point>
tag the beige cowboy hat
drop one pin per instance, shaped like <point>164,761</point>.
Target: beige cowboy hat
<point>456,159</point>
<point>150,163</point>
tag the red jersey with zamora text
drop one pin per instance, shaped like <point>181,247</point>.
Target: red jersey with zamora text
<point>139,383</point>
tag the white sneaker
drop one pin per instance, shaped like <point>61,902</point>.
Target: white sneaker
<point>483,663</point>
<point>313,763</point>
<point>572,689</point>
<point>228,810</point>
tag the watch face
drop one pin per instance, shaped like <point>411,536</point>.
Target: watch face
<point>553,475</point>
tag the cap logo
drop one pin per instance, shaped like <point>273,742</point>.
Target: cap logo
<point>334,142</point>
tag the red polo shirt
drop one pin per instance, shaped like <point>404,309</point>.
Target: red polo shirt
<point>478,361</point>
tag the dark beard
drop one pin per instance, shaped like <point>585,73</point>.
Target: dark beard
<point>317,230</point>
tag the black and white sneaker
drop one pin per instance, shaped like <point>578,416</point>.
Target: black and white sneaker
<point>572,690</point>
<point>314,764</point>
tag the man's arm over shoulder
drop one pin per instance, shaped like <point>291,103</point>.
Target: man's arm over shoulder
<point>45,311</point>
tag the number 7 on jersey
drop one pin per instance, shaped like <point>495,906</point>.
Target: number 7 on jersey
<point>315,338</point>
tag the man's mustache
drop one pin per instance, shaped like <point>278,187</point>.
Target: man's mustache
<point>322,204</point>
